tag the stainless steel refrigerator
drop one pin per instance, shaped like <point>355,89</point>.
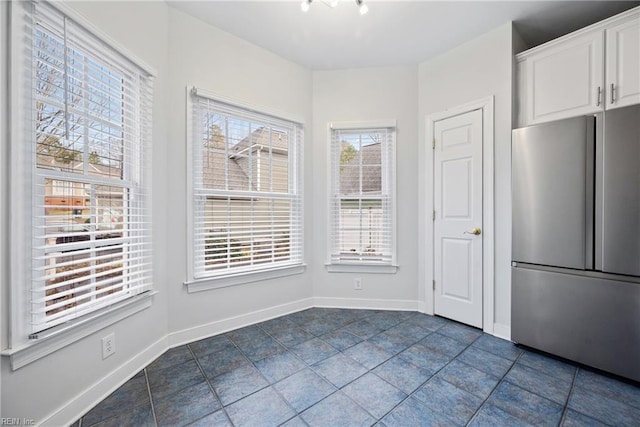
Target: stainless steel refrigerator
<point>576,239</point>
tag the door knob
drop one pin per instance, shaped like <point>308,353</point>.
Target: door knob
<point>475,231</point>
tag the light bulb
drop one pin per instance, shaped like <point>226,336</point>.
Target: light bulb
<point>363,8</point>
<point>305,5</point>
<point>333,3</point>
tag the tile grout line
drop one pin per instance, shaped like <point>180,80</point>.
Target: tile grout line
<point>447,364</point>
<point>269,383</point>
<point>81,421</point>
<point>339,389</point>
<point>533,392</point>
<point>431,376</point>
<point>566,405</point>
<point>153,408</point>
<point>213,391</point>
<point>502,379</point>
<point>421,385</point>
<point>542,373</point>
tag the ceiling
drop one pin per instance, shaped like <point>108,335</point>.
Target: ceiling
<point>394,32</point>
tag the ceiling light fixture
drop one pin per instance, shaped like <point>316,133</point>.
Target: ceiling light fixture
<point>363,8</point>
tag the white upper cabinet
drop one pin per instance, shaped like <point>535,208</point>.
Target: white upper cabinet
<point>623,63</point>
<point>584,72</point>
<point>565,80</point>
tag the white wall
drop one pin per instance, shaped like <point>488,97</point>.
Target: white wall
<point>208,58</point>
<point>76,377</point>
<point>361,95</point>
<point>479,68</point>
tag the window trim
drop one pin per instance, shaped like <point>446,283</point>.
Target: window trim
<point>207,283</point>
<point>20,348</point>
<point>351,266</point>
<point>197,284</point>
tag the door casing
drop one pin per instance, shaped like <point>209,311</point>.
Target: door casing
<point>426,246</point>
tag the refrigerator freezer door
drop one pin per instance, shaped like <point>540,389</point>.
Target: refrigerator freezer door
<point>618,189</point>
<point>591,320</point>
<point>552,202</point>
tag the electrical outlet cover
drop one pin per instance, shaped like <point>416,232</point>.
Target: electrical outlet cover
<point>108,345</point>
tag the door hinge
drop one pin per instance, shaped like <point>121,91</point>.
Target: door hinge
<point>434,285</point>
<point>434,215</point>
<point>434,143</point>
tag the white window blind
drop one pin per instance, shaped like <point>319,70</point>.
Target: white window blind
<point>91,124</point>
<point>247,190</point>
<point>362,196</point>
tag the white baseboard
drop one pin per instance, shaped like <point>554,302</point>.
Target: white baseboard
<point>86,400</point>
<point>375,304</point>
<point>502,331</point>
<point>214,328</point>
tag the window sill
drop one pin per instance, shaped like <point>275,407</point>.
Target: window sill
<point>208,283</point>
<point>361,268</point>
<point>62,337</point>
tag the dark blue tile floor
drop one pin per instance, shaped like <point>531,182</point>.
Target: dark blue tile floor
<point>335,367</point>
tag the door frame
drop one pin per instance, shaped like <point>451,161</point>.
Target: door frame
<point>427,247</point>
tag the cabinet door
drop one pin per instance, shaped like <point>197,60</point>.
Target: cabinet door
<point>623,63</point>
<point>566,79</point>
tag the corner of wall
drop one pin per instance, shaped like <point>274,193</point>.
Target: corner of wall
<point>519,44</point>
<point>502,331</point>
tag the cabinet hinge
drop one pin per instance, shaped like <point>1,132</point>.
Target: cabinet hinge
<point>434,285</point>
<point>434,215</point>
<point>434,143</point>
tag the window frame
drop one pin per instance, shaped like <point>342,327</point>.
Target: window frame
<point>23,346</point>
<point>195,283</point>
<point>362,266</point>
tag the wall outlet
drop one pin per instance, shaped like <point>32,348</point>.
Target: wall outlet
<point>108,345</point>
<point>357,284</point>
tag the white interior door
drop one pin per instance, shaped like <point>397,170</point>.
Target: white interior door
<point>458,217</point>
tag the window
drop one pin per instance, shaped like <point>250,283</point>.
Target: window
<point>362,196</point>
<point>246,190</point>
<point>86,127</point>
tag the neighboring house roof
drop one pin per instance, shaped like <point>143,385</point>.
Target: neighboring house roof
<point>260,137</point>
<point>50,162</point>
<point>238,167</point>
<point>371,171</point>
